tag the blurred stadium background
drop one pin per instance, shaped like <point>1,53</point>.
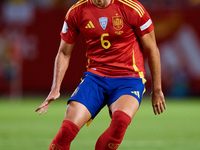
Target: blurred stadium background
<point>29,40</point>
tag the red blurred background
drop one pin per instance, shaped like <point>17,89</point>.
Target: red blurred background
<point>30,36</point>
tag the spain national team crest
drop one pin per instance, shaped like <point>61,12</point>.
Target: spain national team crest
<point>117,22</point>
<point>103,22</point>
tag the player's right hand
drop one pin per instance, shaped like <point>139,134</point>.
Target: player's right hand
<point>53,95</point>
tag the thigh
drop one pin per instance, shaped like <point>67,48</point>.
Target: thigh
<point>126,95</point>
<point>126,86</point>
<point>125,103</point>
<point>77,113</point>
<point>90,94</point>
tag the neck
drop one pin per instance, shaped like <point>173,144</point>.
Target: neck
<point>101,3</point>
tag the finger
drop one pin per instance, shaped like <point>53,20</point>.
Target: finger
<point>155,110</point>
<point>46,109</point>
<point>165,106</point>
<point>37,109</point>
<point>41,111</point>
<point>41,106</point>
<point>158,109</point>
<point>161,108</point>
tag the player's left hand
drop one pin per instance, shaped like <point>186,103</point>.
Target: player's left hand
<point>158,102</point>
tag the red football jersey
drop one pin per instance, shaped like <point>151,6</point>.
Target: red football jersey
<point>113,46</point>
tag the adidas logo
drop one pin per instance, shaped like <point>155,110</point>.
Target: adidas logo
<point>89,25</point>
<point>136,93</point>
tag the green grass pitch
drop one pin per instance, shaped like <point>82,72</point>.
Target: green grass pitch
<point>177,129</point>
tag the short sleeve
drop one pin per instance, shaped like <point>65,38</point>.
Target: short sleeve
<point>70,30</point>
<point>141,20</point>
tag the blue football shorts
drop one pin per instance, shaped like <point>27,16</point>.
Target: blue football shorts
<point>94,91</point>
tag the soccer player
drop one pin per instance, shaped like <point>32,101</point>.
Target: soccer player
<point>117,33</point>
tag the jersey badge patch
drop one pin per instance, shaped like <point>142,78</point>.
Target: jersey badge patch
<point>117,22</point>
<point>65,28</point>
<point>146,25</point>
<point>103,22</point>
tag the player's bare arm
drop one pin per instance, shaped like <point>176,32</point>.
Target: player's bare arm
<point>61,65</point>
<point>150,48</point>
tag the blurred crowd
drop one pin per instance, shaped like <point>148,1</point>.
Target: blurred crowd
<point>169,4</point>
<point>22,11</point>
<point>60,4</point>
<point>149,4</point>
<point>16,44</point>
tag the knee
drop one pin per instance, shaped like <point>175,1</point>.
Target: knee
<point>77,113</point>
<point>121,118</point>
<point>113,136</point>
